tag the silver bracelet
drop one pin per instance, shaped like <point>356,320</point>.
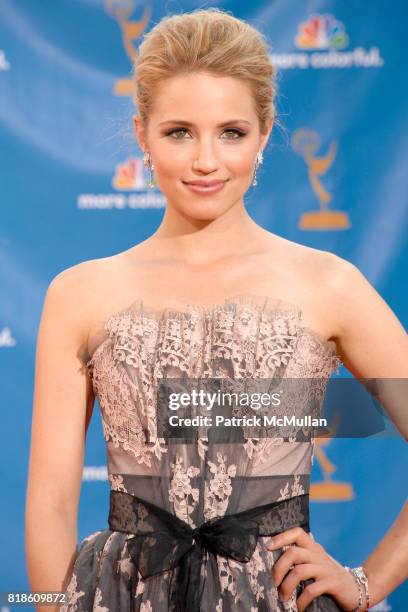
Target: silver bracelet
<point>360,590</point>
<point>361,574</point>
<point>361,579</point>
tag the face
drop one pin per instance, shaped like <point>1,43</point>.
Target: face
<point>187,142</point>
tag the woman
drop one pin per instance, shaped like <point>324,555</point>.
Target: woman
<point>210,294</point>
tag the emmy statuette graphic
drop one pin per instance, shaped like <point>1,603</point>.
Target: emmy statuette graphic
<point>328,489</point>
<point>131,30</point>
<point>306,143</point>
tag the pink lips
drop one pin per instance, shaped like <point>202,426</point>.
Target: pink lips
<point>205,188</point>
<point>204,183</point>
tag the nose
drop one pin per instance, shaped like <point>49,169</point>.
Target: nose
<point>205,159</point>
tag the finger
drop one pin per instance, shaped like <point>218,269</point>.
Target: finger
<point>302,571</point>
<point>296,535</point>
<point>310,592</point>
<point>292,556</point>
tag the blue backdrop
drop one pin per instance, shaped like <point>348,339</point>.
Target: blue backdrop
<point>74,187</point>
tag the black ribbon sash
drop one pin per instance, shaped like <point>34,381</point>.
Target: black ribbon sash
<point>161,541</point>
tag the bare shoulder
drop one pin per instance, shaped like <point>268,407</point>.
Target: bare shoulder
<point>303,275</point>
<point>72,284</point>
<point>349,292</point>
<point>317,259</point>
<point>339,283</point>
<point>337,269</point>
<point>87,276</point>
<point>81,273</point>
<point>371,339</point>
<point>325,272</point>
<point>77,290</point>
<point>317,272</point>
<point>295,253</point>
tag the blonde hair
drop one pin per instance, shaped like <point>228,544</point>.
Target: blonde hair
<point>207,40</point>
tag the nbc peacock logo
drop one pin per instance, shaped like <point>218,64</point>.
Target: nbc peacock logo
<point>321,32</point>
<point>130,175</point>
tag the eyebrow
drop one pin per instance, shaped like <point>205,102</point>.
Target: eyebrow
<point>192,124</point>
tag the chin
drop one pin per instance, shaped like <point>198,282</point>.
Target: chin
<point>209,214</point>
<point>202,212</point>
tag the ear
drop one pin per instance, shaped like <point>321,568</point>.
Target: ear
<point>138,132</point>
<point>265,135</point>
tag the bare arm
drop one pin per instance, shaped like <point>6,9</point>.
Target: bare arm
<point>62,407</point>
<point>373,344</point>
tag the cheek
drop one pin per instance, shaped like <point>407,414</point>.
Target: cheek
<point>169,164</point>
<point>240,160</point>
<point>242,165</point>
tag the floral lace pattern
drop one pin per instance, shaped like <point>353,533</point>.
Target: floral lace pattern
<point>218,489</point>
<point>246,337</point>
<point>181,494</point>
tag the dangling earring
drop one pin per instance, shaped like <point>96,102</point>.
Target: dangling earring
<point>259,160</point>
<point>147,162</point>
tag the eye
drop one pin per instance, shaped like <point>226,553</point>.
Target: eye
<point>238,133</point>
<point>175,131</point>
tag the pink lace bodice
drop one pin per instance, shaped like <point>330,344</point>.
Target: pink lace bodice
<point>247,336</point>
